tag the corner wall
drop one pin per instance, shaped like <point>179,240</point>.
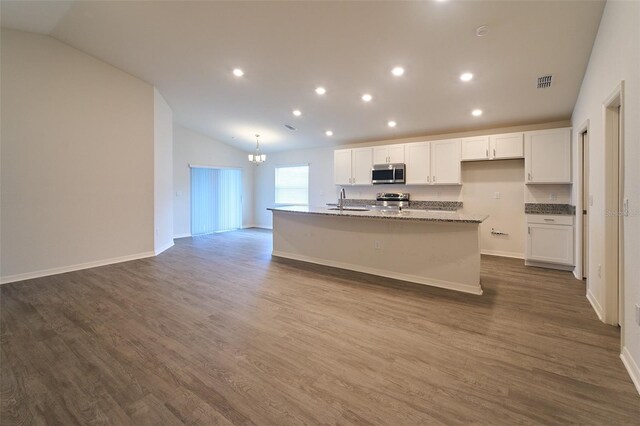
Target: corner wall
<point>190,147</point>
<point>163,173</point>
<point>77,160</point>
<point>615,57</point>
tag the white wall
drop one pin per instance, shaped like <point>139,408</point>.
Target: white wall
<point>163,173</point>
<point>190,147</point>
<point>481,180</point>
<point>77,159</point>
<point>615,57</point>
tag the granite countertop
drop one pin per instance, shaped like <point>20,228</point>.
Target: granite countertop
<point>545,208</point>
<point>405,214</point>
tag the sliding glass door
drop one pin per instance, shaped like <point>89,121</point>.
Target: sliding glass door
<point>216,200</point>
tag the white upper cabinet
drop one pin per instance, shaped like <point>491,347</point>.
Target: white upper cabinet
<point>494,147</point>
<point>445,162</point>
<point>362,163</point>
<point>509,145</point>
<point>388,154</point>
<point>342,167</point>
<point>352,166</point>
<point>475,148</point>
<point>418,163</point>
<point>548,156</point>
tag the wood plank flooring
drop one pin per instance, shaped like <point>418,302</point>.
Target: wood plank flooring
<point>215,331</point>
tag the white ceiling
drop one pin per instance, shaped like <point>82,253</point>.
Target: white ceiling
<point>188,50</point>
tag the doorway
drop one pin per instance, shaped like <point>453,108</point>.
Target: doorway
<point>216,200</point>
<point>613,110</point>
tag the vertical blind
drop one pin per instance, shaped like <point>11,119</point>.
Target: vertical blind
<point>216,200</point>
<point>292,185</point>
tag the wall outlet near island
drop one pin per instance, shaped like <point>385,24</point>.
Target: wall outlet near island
<point>553,196</point>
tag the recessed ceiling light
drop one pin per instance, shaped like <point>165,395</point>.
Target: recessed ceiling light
<point>397,71</point>
<point>476,112</point>
<point>367,97</point>
<point>297,112</point>
<point>328,133</point>
<point>238,72</point>
<point>482,30</point>
<point>391,124</point>
<point>467,76</point>
<point>321,90</point>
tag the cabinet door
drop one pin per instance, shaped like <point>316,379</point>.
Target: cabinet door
<point>550,243</point>
<point>509,145</point>
<point>548,156</point>
<point>445,162</point>
<point>380,155</point>
<point>396,153</point>
<point>418,161</point>
<point>362,162</point>
<point>342,166</point>
<point>475,148</point>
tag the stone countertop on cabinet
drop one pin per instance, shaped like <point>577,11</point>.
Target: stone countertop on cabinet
<point>548,208</point>
<point>405,214</point>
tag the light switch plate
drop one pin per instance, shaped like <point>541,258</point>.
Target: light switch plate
<point>496,195</point>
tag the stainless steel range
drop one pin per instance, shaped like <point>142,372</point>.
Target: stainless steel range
<point>391,201</point>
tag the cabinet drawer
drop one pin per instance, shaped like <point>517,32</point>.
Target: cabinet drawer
<point>550,219</point>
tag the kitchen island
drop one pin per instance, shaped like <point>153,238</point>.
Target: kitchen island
<point>440,249</point>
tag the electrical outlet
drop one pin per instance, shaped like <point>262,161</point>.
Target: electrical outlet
<point>377,245</point>
<point>553,196</point>
<point>496,195</point>
<point>599,271</point>
<point>638,314</point>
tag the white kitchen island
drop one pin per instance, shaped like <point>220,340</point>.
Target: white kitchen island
<point>436,249</point>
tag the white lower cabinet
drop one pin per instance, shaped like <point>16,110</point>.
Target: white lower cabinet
<point>550,241</point>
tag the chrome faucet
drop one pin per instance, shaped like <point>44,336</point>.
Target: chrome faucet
<point>341,200</point>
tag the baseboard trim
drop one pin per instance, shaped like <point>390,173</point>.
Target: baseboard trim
<point>187,235</point>
<point>264,227</point>
<point>631,366</point>
<point>465,288</point>
<point>557,266</point>
<point>63,269</point>
<point>503,254</point>
<point>595,305</point>
<point>164,248</point>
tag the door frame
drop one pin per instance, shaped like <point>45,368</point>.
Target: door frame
<point>582,240</point>
<point>613,268</point>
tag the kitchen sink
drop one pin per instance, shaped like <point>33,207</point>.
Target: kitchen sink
<point>350,209</point>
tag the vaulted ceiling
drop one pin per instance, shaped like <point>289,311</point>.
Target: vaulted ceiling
<point>287,49</point>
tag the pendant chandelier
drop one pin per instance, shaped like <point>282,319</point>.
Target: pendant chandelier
<point>257,158</point>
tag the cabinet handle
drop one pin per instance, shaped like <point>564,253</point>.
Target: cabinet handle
<point>494,152</point>
<point>428,179</point>
<point>529,230</point>
<point>529,176</point>
<point>549,220</point>
<point>487,153</point>
<point>434,178</point>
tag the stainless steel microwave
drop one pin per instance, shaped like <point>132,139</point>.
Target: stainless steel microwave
<point>388,173</point>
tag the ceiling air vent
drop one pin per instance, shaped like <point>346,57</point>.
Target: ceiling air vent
<point>289,126</point>
<point>545,81</point>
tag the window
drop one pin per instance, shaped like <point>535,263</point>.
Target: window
<point>292,185</point>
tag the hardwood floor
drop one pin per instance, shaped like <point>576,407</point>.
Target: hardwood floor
<point>215,331</point>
